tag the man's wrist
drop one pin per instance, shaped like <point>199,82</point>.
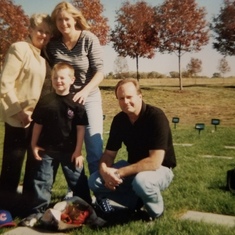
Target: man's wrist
<point>102,167</point>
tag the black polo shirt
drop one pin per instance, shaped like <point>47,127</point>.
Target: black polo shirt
<point>151,131</point>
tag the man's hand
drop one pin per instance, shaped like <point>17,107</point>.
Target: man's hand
<point>111,179</point>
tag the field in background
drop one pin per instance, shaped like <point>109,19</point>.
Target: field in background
<point>195,103</point>
<point>175,82</point>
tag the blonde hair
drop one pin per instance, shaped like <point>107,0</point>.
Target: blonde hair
<point>63,65</point>
<point>36,19</point>
<point>81,22</point>
<point>126,80</point>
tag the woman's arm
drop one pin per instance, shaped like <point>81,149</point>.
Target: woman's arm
<point>12,68</point>
<point>96,65</point>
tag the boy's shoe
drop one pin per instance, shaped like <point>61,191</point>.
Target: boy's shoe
<point>68,195</point>
<point>156,217</point>
<point>104,205</point>
<point>139,205</point>
<point>30,221</point>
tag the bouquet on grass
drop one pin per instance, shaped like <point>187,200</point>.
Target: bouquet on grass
<point>71,213</point>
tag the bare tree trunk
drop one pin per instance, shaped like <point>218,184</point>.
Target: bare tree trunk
<point>180,75</point>
<point>1,63</point>
<point>137,67</point>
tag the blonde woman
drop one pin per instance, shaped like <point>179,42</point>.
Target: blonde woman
<point>21,82</point>
<point>76,45</point>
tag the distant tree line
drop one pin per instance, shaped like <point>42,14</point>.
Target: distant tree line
<point>156,75</point>
<point>192,69</point>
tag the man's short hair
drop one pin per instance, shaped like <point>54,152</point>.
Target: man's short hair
<point>126,80</point>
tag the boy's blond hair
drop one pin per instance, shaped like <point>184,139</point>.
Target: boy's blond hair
<point>63,65</point>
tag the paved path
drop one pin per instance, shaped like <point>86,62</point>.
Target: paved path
<point>209,218</point>
<point>184,144</point>
<point>229,147</point>
<point>220,157</point>
<point>29,231</point>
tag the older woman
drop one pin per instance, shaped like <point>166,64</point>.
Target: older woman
<point>21,83</point>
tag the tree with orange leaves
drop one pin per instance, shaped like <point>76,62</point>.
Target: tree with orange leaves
<point>92,11</point>
<point>129,35</point>
<point>13,26</point>
<point>181,27</point>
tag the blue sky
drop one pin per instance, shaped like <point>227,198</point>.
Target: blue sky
<point>162,63</point>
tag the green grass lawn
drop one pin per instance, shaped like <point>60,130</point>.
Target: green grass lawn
<point>200,180</point>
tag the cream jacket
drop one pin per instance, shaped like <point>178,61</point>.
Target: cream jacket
<point>21,81</point>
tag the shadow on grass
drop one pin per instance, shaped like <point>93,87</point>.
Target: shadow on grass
<point>107,88</point>
<point>122,216</point>
<point>152,87</point>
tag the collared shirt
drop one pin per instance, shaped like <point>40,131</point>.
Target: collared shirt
<point>151,131</point>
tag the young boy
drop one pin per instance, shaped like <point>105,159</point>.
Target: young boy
<point>57,138</point>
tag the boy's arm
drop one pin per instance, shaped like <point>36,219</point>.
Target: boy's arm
<point>77,154</point>
<point>37,128</point>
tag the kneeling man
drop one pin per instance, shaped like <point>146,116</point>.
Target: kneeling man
<point>145,131</point>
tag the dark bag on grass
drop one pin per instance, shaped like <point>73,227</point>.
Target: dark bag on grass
<point>231,180</point>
